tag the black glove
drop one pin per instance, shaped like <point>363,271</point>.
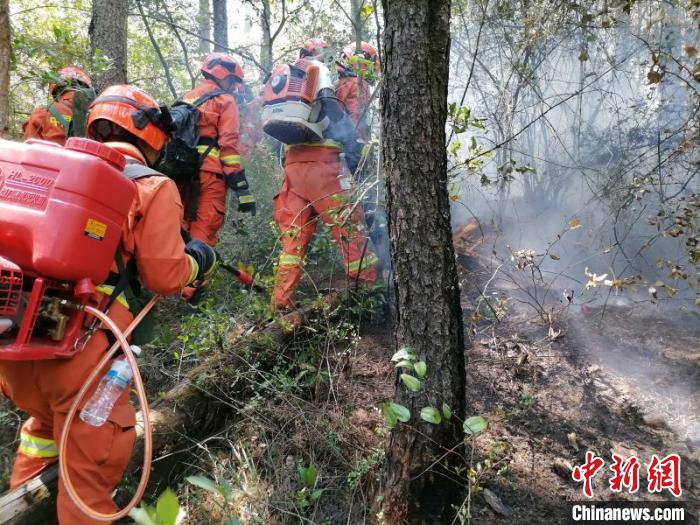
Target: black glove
<point>239,184</point>
<point>204,255</point>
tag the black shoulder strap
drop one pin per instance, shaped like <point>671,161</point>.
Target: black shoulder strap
<point>127,273</point>
<point>136,171</point>
<point>208,96</point>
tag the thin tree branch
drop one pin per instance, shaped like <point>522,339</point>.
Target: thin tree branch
<point>156,47</point>
<point>192,75</point>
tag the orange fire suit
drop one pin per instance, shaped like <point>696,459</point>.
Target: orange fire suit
<point>97,456</point>
<point>311,190</point>
<point>219,121</point>
<point>353,92</point>
<point>43,125</point>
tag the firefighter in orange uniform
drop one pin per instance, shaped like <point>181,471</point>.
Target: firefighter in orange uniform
<point>357,71</point>
<point>311,190</point>
<point>205,204</point>
<point>52,122</point>
<point>129,120</point>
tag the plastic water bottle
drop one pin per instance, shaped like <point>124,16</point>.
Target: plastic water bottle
<point>100,405</point>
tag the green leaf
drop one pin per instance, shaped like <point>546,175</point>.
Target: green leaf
<point>431,415</point>
<point>404,364</point>
<point>367,10</point>
<point>401,412</point>
<point>233,521</point>
<point>413,384</point>
<point>168,508</point>
<point>203,483</point>
<point>141,516</point>
<point>225,489</point>
<point>389,415</point>
<point>405,353</point>
<point>308,474</point>
<point>421,369</point>
<point>475,425</point>
<point>446,411</point>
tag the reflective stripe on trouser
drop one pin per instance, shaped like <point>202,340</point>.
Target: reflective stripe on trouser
<point>311,191</point>
<point>97,456</point>
<point>37,447</point>
<point>108,289</point>
<point>211,208</point>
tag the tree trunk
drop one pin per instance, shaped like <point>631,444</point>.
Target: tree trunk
<point>204,22</point>
<point>4,67</point>
<point>266,40</point>
<point>429,315</point>
<point>108,38</point>
<point>220,25</point>
<point>358,28</point>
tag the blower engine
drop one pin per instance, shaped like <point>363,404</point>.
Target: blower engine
<point>61,216</point>
<point>290,111</point>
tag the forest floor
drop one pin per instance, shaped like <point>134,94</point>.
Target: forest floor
<point>617,379</point>
<point>305,444</point>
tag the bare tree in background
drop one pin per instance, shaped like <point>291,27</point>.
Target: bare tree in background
<point>220,25</point>
<point>108,37</point>
<point>283,13</point>
<point>204,23</point>
<point>358,21</point>
<point>417,487</point>
<point>5,50</point>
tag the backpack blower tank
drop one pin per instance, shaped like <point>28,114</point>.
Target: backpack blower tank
<point>290,110</point>
<point>61,215</point>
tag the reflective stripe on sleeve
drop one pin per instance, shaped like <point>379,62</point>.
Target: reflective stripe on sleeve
<point>231,160</point>
<point>213,153</point>
<point>195,269</point>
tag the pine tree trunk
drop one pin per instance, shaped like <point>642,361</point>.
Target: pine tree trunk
<point>429,315</point>
<point>220,25</point>
<point>108,38</point>
<point>5,44</point>
<point>204,23</point>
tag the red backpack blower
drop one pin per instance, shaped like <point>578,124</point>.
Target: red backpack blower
<point>61,216</point>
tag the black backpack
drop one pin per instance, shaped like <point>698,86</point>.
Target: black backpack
<point>74,125</point>
<point>181,160</point>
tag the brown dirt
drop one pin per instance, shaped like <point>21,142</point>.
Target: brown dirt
<point>600,385</point>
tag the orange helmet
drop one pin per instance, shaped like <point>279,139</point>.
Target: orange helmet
<point>221,66</point>
<point>131,109</point>
<point>364,62</point>
<point>70,75</point>
<point>313,48</point>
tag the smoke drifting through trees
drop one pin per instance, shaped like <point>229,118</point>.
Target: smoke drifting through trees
<point>591,119</point>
